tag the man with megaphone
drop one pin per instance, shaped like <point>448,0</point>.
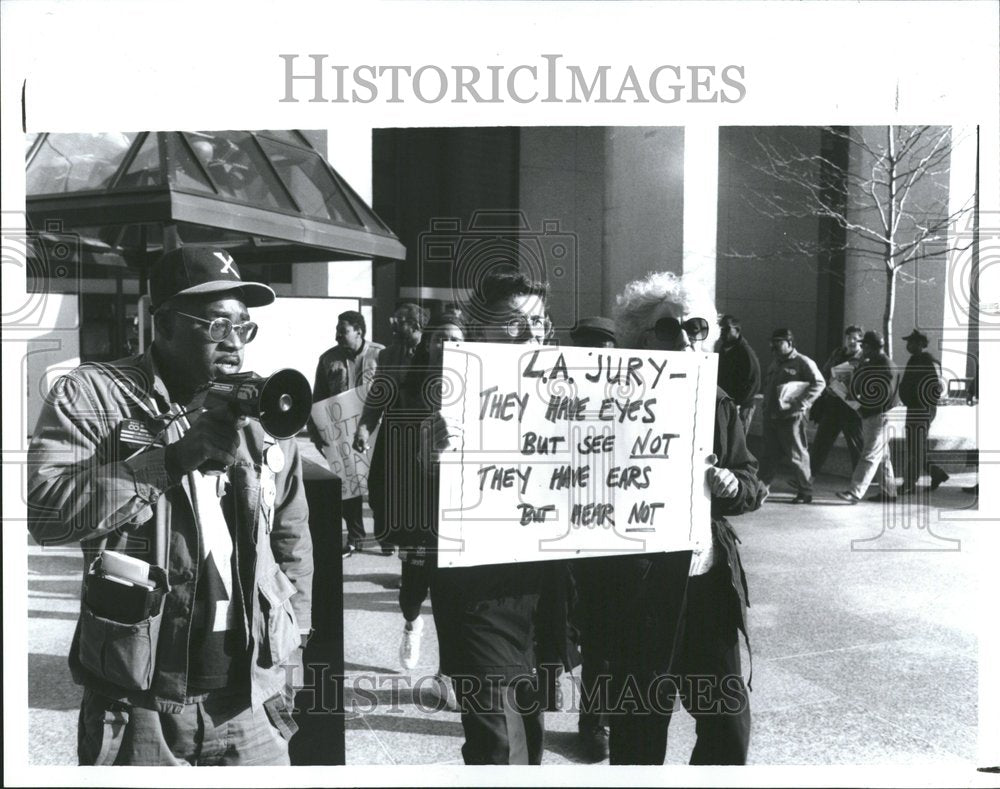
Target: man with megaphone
<point>194,527</point>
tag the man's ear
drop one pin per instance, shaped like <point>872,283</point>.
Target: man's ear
<point>164,323</point>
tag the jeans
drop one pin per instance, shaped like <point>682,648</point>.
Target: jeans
<point>785,439</point>
<point>874,456</point>
<point>220,729</point>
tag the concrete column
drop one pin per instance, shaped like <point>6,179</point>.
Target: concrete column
<point>701,204</point>
<point>960,324</point>
<point>643,205</point>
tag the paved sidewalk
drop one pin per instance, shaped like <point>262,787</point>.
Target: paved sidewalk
<point>862,624</point>
<point>863,656</point>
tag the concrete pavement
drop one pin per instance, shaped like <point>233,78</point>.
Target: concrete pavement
<point>863,626</point>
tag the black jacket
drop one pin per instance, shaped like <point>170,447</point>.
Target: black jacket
<point>874,385</point>
<point>642,597</point>
<point>739,372</point>
<point>920,386</point>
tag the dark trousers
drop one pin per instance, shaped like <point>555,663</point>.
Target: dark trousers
<point>594,671</point>
<point>415,580</point>
<point>707,676</point>
<point>918,426</point>
<point>502,721</point>
<point>351,510</point>
<point>594,668</point>
<point>838,417</point>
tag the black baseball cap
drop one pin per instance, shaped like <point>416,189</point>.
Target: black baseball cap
<point>783,334</point>
<point>919,336</point>
<point>605,327</point>
<point>192,270</point>
<point>872,338</point>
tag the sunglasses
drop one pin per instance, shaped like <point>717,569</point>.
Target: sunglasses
<point>668,329</point>
<point>220,328</point>
<point>521,327</point>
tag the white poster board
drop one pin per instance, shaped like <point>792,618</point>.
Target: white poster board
<point>337,421</point>
<point>571,452</point>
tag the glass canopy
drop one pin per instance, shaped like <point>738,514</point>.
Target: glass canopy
<point>268,196</point>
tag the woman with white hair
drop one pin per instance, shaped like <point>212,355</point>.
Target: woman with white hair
<point>673,619</point>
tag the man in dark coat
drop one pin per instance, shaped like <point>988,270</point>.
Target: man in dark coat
<point>487,617</point>
<point>383,398</point>
<point>739,368</point>
<point>920,390</point>
<point>350,364</point>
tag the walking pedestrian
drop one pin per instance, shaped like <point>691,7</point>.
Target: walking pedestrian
<point>486,615</point>
<point>792,384</point>
<point>739,368</point>
<point>920,390</point>
<point>874,385</point>
<point>383,396</point>
<point>350,364</point>
<point>832,413</point>
<point>416,496</point>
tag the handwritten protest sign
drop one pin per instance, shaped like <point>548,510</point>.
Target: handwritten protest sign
<point>337,420</point>
<point>571,452</point>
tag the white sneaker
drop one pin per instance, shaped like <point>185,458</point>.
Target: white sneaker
<point>409,647</point>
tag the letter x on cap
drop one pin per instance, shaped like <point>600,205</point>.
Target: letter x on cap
<point>192,270</point>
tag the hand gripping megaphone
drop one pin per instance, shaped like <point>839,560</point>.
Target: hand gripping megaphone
<point>281,402</point>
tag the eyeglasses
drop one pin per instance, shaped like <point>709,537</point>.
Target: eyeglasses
<point>220,328</point>
<point>668,329</point>
<point>522,327</point>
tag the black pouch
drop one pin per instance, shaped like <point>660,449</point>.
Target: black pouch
<point>120,628</point>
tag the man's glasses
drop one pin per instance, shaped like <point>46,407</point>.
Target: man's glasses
<point>522,327</point>
<point>220,328</point>
<point>668,329</point>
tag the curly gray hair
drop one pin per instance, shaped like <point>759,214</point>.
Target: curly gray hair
<point>641,299</point>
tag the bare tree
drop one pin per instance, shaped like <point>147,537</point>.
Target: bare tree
<point>889,197</point>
